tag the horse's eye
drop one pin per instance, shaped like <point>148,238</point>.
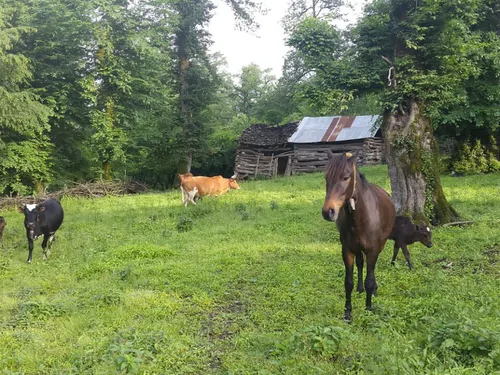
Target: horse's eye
<point>346,178</point>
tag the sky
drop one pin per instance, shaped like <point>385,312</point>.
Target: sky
<point>266,47</point>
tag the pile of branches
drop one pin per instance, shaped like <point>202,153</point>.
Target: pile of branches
<point>83,190</point>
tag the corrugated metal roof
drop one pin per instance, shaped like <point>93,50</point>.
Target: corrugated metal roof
<point>334,129</point>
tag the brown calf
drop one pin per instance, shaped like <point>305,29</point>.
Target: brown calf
<point>406,233</point>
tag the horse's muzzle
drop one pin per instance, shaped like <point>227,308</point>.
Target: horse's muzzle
<point>429,245</point>
<point>329,215</point>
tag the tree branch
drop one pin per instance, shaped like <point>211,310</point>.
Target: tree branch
<point>457,223</point>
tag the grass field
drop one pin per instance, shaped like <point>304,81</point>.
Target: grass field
<point>250,283</point>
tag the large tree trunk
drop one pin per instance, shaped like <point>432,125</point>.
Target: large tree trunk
<point>186,112</point>
<point>413,161</point>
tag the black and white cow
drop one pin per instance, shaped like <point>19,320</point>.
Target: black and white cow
<point>42,219</point>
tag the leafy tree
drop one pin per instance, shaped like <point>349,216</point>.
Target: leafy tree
<point>58,48</point>
<point>320,46</point>
<point>475,115</point>
<point>429,48</point>
<point>305,22</point>
<point>192,81</point>
<point>104,66</point>
<point>300,10</point>
<point>253,83</point>
<point>24,145</point>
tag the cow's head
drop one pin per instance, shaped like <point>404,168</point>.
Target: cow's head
<point>233,184</point>
<point>424,234</point>
<point>31,218</point>
<point>185,175</point>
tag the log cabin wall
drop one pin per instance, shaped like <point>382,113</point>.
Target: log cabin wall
<point>313,157</point>
<point>264,150</point>
<point>258,161</point>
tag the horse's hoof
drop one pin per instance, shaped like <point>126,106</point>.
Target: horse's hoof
<point>393,263</point>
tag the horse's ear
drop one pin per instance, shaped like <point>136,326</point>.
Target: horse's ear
<point>351,157</point>
<point>329,153</point>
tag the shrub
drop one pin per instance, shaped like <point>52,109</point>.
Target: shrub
<point>465,341</point>
<point>476,158</point>
<point>321,341</point>
<point>184,224</point>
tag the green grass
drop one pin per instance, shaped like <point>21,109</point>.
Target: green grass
<point>249,283</point>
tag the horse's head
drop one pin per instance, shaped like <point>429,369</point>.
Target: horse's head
<point>340,176</point>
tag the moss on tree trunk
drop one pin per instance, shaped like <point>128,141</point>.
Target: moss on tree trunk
<point>413,161</point>
<point>106,167</point>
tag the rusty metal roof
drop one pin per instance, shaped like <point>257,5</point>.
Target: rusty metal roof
<point>335,129</point>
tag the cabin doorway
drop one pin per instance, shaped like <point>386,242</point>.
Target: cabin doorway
<point>282,165</point>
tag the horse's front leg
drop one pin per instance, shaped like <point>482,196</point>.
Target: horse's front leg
<point>349,282</point>
<point>359,266</point>
<point>370,283</point>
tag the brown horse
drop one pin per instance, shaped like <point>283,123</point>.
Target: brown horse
<point>364,214</point>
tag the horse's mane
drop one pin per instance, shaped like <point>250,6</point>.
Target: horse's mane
<point>363,179</point>
<point>336,167</point>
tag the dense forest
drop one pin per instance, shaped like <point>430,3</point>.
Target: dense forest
<point>117,89</point>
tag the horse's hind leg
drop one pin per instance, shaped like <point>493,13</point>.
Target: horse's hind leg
<point>359,265</point>
<point>349,282</point>
<point>370,283</point>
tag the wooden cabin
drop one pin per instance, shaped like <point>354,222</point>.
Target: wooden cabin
<point>300,147</point>
<point>264,150</point>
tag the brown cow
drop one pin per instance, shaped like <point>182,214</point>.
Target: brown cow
<point>202,186</point>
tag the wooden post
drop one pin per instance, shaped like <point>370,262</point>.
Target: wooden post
<point>288,166</point>
<point>271,174</point>
<point>257,166</point>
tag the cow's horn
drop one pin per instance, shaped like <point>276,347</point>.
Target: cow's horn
<point>235,175</point>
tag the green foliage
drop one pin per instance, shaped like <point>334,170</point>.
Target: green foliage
<point>320,9</point>
<point>475,158</point>
<point>252,84</point>
<point>465,341</point>
<point>24,145</point>
<point>321,341</point>
<point>184,224</point>
<point>319,46</point>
